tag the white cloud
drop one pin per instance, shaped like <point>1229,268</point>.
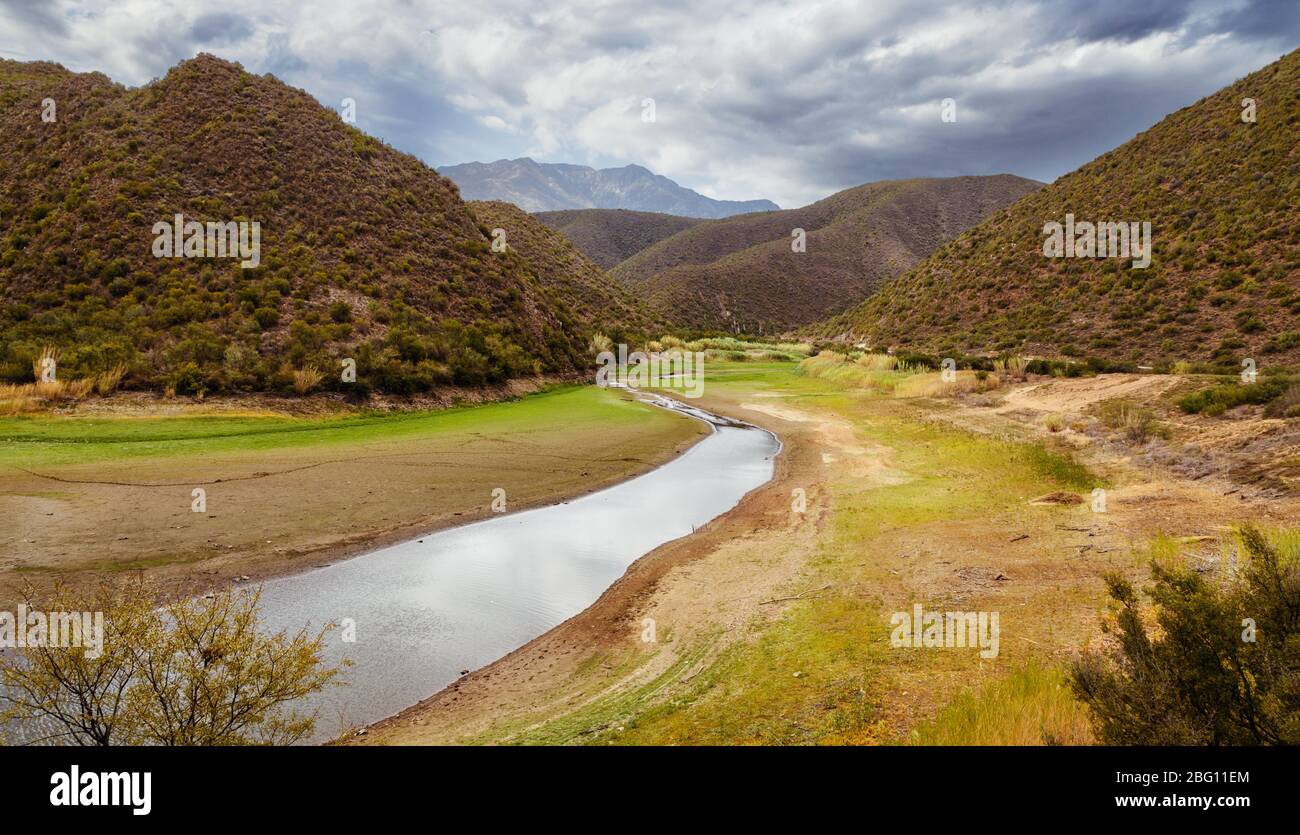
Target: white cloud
<point>496,123</point>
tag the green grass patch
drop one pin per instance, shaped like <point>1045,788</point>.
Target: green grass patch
<point>816,674</point>
<point>36,442</point>
<point>1031,706</point>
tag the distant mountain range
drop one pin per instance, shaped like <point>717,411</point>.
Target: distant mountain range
<point>545,187</point>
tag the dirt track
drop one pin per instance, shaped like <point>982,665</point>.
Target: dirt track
<point>1077,395</point>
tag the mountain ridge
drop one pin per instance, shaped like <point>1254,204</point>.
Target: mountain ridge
<point>742,274</point>
<point>540,186</point>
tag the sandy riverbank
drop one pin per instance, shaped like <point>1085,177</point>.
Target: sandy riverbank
<point>772,626</point>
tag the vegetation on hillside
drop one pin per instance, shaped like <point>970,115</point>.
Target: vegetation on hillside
<point>611,236</point>
<point>366,253</point>
<point>1224,279</point>
<point>569,277</point>
<point>741,274</point>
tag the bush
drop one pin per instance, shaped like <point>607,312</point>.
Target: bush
<point>1136,423</point>
<point>1286,406</point>
<point>1216,400</point>
<point>341,311</point>
<point>198,671</point>
<point>266,317</point>
<point>1224,668</point>
<point>187,379</point>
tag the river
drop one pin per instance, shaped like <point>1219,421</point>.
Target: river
<point>429,608</point>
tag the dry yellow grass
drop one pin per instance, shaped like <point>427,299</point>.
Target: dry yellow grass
<point>107,382</point>
<point>17,400</point>
<point>886,374</point>
<point>932,384</point>
<point>878,362</point>
<point>45,363</point>
<point>1011,368</point>
<point>28,397</point>
<point>306,379</point>
<point>1032,706</point>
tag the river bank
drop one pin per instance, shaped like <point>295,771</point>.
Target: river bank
<point>416,615</point>
<point>97,495</point>
<point>774,625</point>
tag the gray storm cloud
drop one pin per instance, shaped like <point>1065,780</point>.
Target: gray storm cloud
<point>788,101</point>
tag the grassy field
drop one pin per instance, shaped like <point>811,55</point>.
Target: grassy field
<point>773,624</point>
<point>93,494</point>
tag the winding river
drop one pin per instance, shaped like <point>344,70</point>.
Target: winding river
<point>429,608</point>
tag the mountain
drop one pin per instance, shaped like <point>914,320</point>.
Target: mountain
<point>577,281</point>
<point>543,187</point>
<point>1221,195</point>
<point>742,273</point>
<point>365,252</point>
<point>610,236</point>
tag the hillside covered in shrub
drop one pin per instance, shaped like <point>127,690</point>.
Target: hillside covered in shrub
<point>1221,194</point>
<point>366,252</point>
<point>566,272</point>
<point>742,274</point>
<point>610,236</point>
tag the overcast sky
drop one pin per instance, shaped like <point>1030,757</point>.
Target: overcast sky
<point>784,100</point>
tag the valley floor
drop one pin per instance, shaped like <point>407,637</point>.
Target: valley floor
<point>99,494</point>
<point>773,626</point>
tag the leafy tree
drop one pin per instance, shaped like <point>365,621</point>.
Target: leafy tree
<point>1224,668</point>
<point>197,671</point>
